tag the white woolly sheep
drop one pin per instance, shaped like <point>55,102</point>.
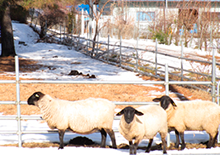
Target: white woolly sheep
<point>143,123</point>
<point>82,117</point>
<point>191,115</point>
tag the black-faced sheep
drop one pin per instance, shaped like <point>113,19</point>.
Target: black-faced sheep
<point>143,123</point>
<point>83,117</point>
<point>191,115</point>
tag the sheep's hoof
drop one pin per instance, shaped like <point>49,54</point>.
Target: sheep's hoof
<point>208,147</point>
<point>176,146</point>
<point>114,147</point>
<point>147,151</point>
<point>183,146</point>
<point>61,147</point>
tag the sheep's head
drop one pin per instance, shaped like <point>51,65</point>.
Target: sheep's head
<point>129,113</point>
<point>165,101</point>
<point>32,100</point>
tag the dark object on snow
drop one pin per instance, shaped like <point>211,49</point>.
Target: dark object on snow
<point>92,76</point>
<point>22,42</point>
<point>81,141</point>
<point>76,72</point>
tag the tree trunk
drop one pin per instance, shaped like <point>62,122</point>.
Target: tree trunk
<point>7,39</point>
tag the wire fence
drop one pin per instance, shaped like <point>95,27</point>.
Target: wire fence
<point>19,118</point>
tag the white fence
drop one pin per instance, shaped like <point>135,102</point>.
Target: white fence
<point>20,117</point>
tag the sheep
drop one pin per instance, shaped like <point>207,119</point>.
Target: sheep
<point>82,117</point>
<point>191,115</point>
<point>143,123</point>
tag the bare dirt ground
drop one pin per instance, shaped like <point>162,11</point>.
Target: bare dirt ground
<point>81,91</point>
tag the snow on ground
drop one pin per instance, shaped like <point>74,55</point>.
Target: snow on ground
<point>171,50</point>
<point>190,136</point>
<point>64,60</point>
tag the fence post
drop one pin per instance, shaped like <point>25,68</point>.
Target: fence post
<point>156,58</point>
<point>78,42</point>
<point>71,37</point>
<point>166,79</point>
<point>60,33</point>
<point>218,91</point>
<point>137,54</point>
<point>167,93</point>
<point>213,76</point>
<point>18,102</point>
<point>181,60</point>
<point>87,42</point>
<point>120,52</point>
<point>64,30</point>
<point>97,44</point>
<point>218,87</point>
<point>108,49</point>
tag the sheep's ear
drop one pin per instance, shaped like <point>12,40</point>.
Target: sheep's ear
<point>120,113</point>
<point>157,99</point>
<point>138,113</point>
<point>173,103</point>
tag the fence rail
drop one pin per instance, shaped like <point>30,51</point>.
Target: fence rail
<point>20,117</point>
<point>140,65</point>
<point>119,58</point>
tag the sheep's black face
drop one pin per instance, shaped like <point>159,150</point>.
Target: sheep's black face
<point>34,98</point>
<point>129,113</point>
<point>165,101</point>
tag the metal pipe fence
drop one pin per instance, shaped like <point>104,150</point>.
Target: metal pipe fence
<point>140,65</point>
<point>20,117</point>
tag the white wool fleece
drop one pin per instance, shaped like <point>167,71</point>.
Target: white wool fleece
<point>83,117</point>
<point>147,126</point>
<point>191,115</point>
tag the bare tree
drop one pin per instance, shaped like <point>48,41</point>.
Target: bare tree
<point>51,16</point>
<point>96,15</point>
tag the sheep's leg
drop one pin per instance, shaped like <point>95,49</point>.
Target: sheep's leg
<point>61,134</point>
<point>212,140</point>
<point>209,145</point>
<point>177,139</point>
<point>215,140</point>
<point>135,147</point>
<point>149,145</point>
<point>131,147</point>
<point>112,136</point>
<point>182,139</point>
<point>103,133</point>
<point>164,144</point>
